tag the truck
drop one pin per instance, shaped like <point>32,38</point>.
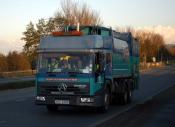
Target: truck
<point>90,66</point>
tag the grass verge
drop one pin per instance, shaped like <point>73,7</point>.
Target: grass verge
<point>17,85</point>
<point>17,74</point>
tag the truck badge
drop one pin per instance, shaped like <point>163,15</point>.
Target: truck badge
<point>62,87</point>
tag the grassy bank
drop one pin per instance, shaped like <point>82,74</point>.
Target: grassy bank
<point>17,85</point>
<point>17,74</point>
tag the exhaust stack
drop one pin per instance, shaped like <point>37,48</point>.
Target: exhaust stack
<point>78,26</point>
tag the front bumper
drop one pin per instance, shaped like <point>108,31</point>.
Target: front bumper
<point>97,101</point>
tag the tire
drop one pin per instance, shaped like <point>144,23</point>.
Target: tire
<point>129,95</point>
<point>124,98</point>
<point>105,107</point>
<point>116,96</point>
<point>116,99</point>
<point>52,108</point>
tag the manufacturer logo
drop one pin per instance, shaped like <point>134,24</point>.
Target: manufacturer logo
<point>62,87</point>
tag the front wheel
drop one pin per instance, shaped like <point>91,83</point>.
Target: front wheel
<point>105,107</point>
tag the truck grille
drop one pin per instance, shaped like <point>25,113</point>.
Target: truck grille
<point>63,89</point>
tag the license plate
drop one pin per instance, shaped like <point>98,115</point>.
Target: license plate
<point>66,102</point>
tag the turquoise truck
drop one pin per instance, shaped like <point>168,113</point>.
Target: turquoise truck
<point>88,66</point>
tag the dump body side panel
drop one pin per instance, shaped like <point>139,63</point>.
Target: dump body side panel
<point>121,59</point>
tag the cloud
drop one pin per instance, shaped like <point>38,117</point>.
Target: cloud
<point>167,32</point>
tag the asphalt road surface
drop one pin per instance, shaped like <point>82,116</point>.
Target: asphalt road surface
<point>158,112</point>
<point>17,106</point>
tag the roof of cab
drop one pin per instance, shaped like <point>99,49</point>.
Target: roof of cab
<point>70,42</point>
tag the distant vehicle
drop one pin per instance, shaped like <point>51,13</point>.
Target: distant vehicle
<point>91,66</point>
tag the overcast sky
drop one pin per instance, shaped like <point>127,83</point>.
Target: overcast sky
<point>156,15</point>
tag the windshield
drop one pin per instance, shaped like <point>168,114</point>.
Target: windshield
<point>65,62</point>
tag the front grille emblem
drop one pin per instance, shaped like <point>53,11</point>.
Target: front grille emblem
<point>62,87</point>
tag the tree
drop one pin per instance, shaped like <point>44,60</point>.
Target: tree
<point>3,63</point>
<point>73,12</point>
<point>17,61</point>
<point>31,38</point>
<point>126,29</point>
<point>151,45</point>
<point>171,50</point>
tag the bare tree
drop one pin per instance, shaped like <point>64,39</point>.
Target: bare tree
<point>73,12</point>
<point>126,29</point>
<point>151,45</point>
<point>171,49</point>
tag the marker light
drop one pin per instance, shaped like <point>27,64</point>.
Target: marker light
<point>69,33</point>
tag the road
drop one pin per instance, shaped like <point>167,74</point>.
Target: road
<point>16,79</point>
<point>17,107</point>
<point>158,112</point>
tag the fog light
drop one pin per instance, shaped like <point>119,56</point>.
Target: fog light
<point>40,98</point>
<point>86,100</point>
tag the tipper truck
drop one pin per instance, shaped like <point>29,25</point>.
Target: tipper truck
<point>91,66</point>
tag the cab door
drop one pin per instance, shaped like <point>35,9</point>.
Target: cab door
<point>99,67</point>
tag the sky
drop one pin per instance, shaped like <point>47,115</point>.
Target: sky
<point>152,15</point>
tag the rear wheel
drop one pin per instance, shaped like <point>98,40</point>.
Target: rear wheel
<point>124,98</point>
<point>124,95</point>
<point>129,95</point>
<point>52,108</point>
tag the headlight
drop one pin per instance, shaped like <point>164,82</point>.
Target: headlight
<point>40,98</point>
<point>86,100</point>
